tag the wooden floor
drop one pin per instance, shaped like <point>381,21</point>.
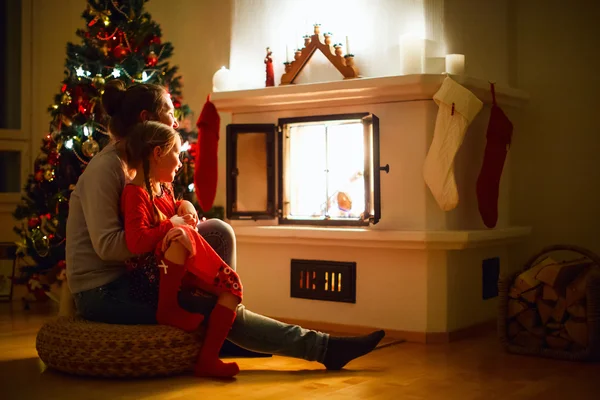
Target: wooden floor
<point>469,369</point>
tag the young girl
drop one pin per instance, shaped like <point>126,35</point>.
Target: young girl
<point>169,242</point>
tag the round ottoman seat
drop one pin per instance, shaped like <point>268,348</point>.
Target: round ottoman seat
<point>82,347</point>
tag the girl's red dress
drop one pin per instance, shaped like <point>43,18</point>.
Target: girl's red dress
<point>144,237</point>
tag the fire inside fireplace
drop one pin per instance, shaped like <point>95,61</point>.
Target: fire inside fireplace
<point>315,170</point>
<point>324,170</point>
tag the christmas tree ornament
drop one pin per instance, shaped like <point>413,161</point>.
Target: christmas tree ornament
<point>119,52</point>
<point>152,59</point>
<point>90,147</point>
<point>65,99</point>
<point>34,222</point>
<point>457,109</point>
<point>49,174</point>
<point>98,81</point>
<point>53,158</point>
<point>102,52</point>
<point>499,137</point>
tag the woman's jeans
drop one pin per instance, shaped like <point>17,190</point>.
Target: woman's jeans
<point>112,304</point>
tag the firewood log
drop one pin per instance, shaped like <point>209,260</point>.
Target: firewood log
<point>555,327</point>
<point>527,279</point>
<point>514,327</point>
<point>529,319</point>
<point>514,293</point>
<point>548,293</point>
<point>545,309</point>
<point>528,339</point>
<point>560,275</point>
<point>577,310</point>
<point>533,294</point>
<point>556,342</point>
<point>515,307</point>
<point>559,310</point>
<point>578,331</point>
<point>564,334</point>
<point>576,290</point>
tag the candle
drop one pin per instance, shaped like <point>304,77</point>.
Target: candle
<point>455,64</point>
<point>412,54</point>
<point>287,57</point>
<point>347,46</point>
<point>222,80</point>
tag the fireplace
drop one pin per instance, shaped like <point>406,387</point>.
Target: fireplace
<point>326,174</point>
<point>333,172</point>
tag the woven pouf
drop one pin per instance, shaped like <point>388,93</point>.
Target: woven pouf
<point>81,347</point>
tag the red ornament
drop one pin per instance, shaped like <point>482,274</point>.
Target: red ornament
<point>39,176</point>
<point>53,158</point>
<point>154,40</point>
<point>34,222</point>
<point>119,51</point>
<point>62,264</point>
<point>63,88</point>
<point>152,59</point>
<point>193,150</point>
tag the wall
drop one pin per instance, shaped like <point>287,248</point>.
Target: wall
<point>555,184</point>
<point>182,22</point>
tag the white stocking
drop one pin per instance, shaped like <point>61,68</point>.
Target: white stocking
<point>457,109</point>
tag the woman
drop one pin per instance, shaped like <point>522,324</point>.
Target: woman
<point>96,248</point>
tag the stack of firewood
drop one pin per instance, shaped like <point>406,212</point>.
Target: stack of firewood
<point>547,305</point>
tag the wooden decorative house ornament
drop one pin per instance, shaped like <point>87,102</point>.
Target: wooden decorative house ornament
<point>343,63</point>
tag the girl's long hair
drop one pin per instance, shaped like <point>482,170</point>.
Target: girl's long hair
<point>140,145</point>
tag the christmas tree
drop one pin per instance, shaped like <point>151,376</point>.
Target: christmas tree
<point>120,41</point>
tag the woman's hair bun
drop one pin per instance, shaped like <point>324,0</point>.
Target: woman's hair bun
<point>112,98</point>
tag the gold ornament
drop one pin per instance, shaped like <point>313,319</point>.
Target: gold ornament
<point>90,147</point>
<point>104,50</point>
<point>40,242</point>
<point>65,99</point>
<point>98,81</point>
<point>49,175</point>
<point>66,120</point>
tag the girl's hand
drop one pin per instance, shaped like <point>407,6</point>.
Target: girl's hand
<point>188,208</point>
<point>187,219</point>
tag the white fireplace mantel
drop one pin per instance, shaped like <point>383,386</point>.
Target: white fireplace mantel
<point>357,91</point>
<point>436,261</point>
<point>366,238</point>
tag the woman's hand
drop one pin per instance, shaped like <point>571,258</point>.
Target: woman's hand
<point>187,219</point>
<point>188,208</point>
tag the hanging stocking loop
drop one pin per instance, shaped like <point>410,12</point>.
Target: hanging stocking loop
<point>493,93</point>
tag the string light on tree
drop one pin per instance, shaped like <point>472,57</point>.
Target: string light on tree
<point>119,41</point>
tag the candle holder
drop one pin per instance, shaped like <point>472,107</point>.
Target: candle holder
<point>344,64</point>
<point>349,59</point>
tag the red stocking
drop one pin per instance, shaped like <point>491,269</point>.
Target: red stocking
<point>208,364</point>
<point>206,168</point>
<point>499,135</point>
<point>169,312</point>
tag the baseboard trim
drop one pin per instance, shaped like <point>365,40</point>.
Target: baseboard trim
<point>409,336</point>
